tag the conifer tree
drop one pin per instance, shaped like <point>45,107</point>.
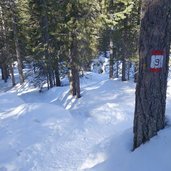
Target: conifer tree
<point>154,47</point>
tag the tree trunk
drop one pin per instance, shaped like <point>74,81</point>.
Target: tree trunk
<point>77,83</point>
<point>4,72</point>
<point>128,69</point>
<point>57,76</point>
<point>111,69</point>
<point>72,82</point>
<point>111,62</point>
<point>1,72</point>
<point>12,74</point>
<point>154,46</point>
<point>117,69</point>
<point>135,72</point>
<point>125,54</point>
<point>123,69</point>
<point>17,47</point>
<point>6,50</point>
<point>74,73</point>
<point>45,38</point>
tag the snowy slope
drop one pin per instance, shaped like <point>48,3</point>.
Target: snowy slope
<point>30,135</point>
<point>52,131</point>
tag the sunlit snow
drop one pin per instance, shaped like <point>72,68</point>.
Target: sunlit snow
<point>52,131</point>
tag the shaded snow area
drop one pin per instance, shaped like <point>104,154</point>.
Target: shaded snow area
<point>52,131</point>
<point>5,86</point>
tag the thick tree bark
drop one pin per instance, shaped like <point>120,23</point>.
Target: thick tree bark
<point>150,104</point>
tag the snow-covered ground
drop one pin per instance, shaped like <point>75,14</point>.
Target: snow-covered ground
<point>52,131</point>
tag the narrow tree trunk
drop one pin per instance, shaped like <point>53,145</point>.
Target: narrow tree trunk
<point>1,72</point>
<point>123,69</point>
<point>4,72</point>
<point>45,35</point>
<point>77,83</point>
<point>49,68</point>
<point>111,69</point>
<point>17,47</point>
<point>72,82</point>
<point>150,104</point>
<point>117,69</point>
<point>12,74</point>
<point>128,70</point>
<point>125,55</point>
<point>57,76</point>
<point>135,72</point>
<point>111,62</point>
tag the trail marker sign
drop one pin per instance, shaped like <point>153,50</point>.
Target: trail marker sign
<point>157,59</point>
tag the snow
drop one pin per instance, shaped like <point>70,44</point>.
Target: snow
<point>52,131</point>
<point>5,86</point>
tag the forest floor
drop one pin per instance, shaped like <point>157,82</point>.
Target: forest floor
<point>52,131</point>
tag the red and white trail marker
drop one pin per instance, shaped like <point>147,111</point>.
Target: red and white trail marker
<point>157,58</point>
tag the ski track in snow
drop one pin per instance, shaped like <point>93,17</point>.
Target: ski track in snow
<point>52,131</point>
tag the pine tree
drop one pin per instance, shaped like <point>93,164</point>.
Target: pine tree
<point>81,25</point>
<point>7,48</point>
<point>154,49</point>
<point>16,40</point>
<point>120,31</point>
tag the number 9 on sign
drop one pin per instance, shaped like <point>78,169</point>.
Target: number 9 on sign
<point>156,61</point>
